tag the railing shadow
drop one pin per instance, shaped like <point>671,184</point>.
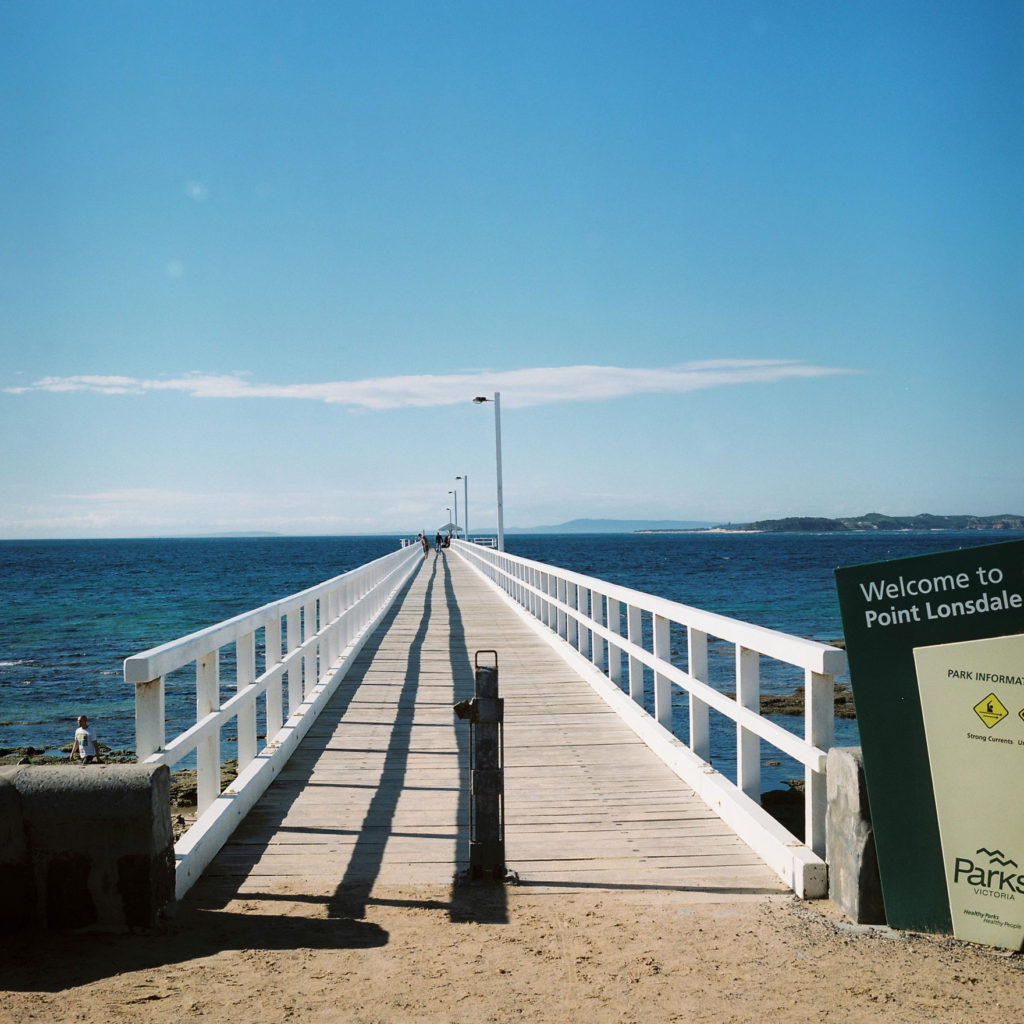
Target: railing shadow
<point>54,962</point>
<point>484,903</point>
<point>353,892</point>
<point>213,890</point>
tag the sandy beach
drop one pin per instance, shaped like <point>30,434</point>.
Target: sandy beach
<point>505,954</point>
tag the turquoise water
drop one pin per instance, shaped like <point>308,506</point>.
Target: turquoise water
<point>73,610</point>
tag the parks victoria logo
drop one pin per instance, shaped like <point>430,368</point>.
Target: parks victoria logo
<point>990,873</point>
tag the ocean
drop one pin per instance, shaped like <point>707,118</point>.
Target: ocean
<point>73,610</point>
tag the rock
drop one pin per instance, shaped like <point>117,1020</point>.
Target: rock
<point>184,784</point>
<point>793,703</point>
<point>786,806</point>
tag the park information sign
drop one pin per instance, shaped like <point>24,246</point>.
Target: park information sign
<point>891,610</point>
<point>972,696</point>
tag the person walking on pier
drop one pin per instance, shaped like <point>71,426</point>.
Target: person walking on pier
<point>426,545</point>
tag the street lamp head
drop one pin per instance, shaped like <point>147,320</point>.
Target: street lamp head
<point>480,398</point>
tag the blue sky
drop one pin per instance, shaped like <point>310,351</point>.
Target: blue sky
<point>722,260</point>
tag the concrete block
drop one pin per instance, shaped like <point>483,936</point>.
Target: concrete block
<point>97,841</point>
<point>17,884</point>
<point>854,883</point>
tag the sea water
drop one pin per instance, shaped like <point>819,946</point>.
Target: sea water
<point>72,611</point>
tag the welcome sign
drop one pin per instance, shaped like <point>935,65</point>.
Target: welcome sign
<point>891,611</point>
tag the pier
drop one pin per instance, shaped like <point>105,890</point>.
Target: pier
<point>377,791</point>
<point>353,767</point>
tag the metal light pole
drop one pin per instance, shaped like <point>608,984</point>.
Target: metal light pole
<point>465,505</point>
<point>455,495</point>
<point>497,448</point>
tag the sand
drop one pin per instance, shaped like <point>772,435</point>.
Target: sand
<point>505,953</point>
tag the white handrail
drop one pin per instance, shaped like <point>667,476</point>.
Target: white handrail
<point>583,617</point>
<point>323,627</point>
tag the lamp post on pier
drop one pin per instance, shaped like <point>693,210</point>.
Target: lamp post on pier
<point>465,504</point>
<point>455,495</point>
<point>497,448</point>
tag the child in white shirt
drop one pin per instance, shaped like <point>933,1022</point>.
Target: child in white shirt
<point>85,744</point>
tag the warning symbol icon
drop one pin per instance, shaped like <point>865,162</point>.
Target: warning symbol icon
<point>990,710</point>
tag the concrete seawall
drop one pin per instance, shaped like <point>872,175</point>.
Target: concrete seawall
<point>854,884</point>
<point>84,846</point>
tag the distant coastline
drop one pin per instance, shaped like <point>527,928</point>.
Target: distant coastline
<point>873,522</point>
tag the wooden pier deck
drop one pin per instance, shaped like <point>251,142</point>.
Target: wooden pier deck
<point>376,794</point>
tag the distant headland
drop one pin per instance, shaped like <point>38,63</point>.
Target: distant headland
<point>870,523</point>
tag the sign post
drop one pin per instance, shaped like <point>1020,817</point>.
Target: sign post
<point>890,610</point>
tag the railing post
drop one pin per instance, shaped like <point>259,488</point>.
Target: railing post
<point>614,651</point>
<point>149,718</point>
<point>561,595</point>
<point>326,618</point>
<point>662,684</point>
<point>819,718</point>
<point>272,655</point>
<point>245,660</point>
<point>572,625</point>
<point>335,608</point>
<point>349,599</point>
<point>596,640</point>
<point>635,635</point>
<point>697,666</point>
<point>310,671</point>
<point>295,669</point>
<point>748,744</point>
<point>583,596</point>
<point>208,751</point>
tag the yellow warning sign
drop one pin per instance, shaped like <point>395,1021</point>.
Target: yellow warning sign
<point>990,710</point>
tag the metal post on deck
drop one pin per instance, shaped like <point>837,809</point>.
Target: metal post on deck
<point>486,713</point>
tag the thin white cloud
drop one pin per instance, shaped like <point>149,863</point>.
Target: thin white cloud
<point>105,385</point>
<point>519,388</point>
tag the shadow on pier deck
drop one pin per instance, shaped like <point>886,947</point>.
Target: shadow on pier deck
<point>375,799</point>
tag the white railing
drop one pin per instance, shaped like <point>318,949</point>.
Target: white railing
<point>601,629</point>
<point>307,641</point>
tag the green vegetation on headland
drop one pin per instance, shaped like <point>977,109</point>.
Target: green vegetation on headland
<point>876,522</point>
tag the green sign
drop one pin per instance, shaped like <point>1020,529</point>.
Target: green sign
<point>889,609</point>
